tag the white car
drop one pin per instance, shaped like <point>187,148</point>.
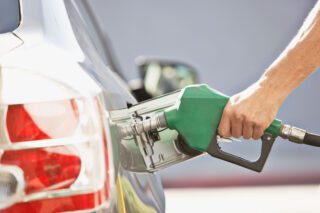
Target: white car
<point>59,148</point>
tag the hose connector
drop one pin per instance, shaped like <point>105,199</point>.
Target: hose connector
<point>293,134</point>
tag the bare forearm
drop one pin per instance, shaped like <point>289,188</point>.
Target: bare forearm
<point>251,111</point>
<point>298,60</point>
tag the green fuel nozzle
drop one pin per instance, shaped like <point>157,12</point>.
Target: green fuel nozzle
<point>196,116</point>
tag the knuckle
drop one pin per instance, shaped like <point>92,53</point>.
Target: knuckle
<point>259,125</point>
<point>248,120</point>
<point>238,116</point>
<point>227,109</point>
<point>227,112</point>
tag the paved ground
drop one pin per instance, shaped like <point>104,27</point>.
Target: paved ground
<point>275,199</point>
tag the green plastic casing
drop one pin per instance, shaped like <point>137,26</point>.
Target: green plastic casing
<point>197,113</point>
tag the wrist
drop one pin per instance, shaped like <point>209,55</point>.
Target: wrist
<point>273,91</point>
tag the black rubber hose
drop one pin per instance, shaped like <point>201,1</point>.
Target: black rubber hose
<point>312,139</point>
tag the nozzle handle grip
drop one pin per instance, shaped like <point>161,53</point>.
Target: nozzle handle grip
<point>267,143</point>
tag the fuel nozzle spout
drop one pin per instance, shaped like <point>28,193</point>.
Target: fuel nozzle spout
<point>139,127</point>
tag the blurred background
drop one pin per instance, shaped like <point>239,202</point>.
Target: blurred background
<point>230,43</point>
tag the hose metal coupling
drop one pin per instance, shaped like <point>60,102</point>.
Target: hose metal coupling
<point>293,134</point>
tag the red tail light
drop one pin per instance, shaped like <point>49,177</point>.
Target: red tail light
<point>60,148</point>
<point>41,121</point>
<point>21,127</point>
<point>45,168</point>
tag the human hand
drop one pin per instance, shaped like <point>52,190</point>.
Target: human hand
<point>249,113</point>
